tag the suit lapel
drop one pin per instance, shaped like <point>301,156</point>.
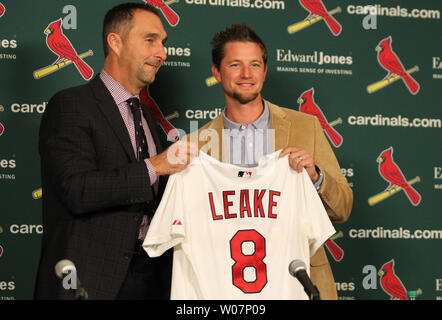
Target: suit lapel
<point>110,111</point>
<point>211,139</point>
<point>280,125</point>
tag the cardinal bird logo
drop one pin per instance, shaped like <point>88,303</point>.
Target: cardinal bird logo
<point>62,47</point>
<point>167,12</point>
<point>391,283</point>
<point>335,250</point>
<point>171,132</point>
<point>390,61</point>
<point>390,171</point>
<point>2,9</point>
<point>2,128</point>
<point>1,250</point>
<point>317,9</point>
<point>308,105</point>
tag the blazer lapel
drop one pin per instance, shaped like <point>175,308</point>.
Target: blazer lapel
<point>280,125</point>
<point>211,139</point>
<point>110,111</point>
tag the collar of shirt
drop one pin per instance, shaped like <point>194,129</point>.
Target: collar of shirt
<point>263,122</point>
<point>117,91</point>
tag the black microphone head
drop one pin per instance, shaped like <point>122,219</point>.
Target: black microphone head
<point>63,266</point>
<point>295,266</point>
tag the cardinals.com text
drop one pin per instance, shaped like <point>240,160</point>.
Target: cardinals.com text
<point>400,233</point>
<point>398,121</point>
<point>257,4</point>
<point>396,11</point>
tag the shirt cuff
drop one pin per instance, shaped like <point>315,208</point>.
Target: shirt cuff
<point>152,174</point>
<point>318,183</point>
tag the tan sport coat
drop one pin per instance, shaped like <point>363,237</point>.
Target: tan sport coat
<point>296,129</point>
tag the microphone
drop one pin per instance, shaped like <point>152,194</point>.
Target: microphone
<point>298,270</point>
<point>64,267</point>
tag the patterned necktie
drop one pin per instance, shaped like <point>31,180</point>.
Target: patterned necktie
<point>142,153</point>
<point>140,138</point>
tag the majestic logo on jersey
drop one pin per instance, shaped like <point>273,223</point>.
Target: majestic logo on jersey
<point>167,12</point>
<point>317,12</point>
<point>389,60</point>
<point>2,10</point>
<point>60,45</point>
<point>335,250</point>
<point>391,173</point>
<point>308,105</point>
<point>171,132</point>
<point>177,223</point>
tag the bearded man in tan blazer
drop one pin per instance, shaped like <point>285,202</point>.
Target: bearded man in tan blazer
<point>240,65</point>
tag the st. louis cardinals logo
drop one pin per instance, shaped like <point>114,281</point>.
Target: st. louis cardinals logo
<point>171,132</point>
<point>170,15</point>
<point>2,128</point>
<point>391,173</point>
<point>317,12</point>
<point>60,45</point>
<point>335,250</point>
<point>308,105</point>
<point>2,9</point>
<point>390,61</point>
<point>391,283</point>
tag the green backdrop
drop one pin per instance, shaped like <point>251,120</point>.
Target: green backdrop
<point>342,69</point>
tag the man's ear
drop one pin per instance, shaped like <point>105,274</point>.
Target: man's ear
<point>216,73</point>
<point>114,42</point>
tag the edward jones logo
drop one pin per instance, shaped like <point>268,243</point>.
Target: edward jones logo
<point>7,164</point>
<point>60,45</point>
<point>392,174</point>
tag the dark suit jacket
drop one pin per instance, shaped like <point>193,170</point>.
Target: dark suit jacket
<point>93,191</point>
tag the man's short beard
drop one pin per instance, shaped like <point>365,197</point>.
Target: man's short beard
<point>244,99</point>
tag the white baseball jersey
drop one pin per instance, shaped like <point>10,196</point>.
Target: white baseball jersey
<point>235,230</point>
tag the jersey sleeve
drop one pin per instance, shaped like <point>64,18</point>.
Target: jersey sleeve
<point>316,221</point>
<point>167,229</point>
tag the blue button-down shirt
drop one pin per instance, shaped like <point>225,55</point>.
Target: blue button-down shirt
<point>246,144</point>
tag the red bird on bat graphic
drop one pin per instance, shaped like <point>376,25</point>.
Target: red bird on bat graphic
<point>390,171</point>
<point>168,13</point>
<point>168,129</point>
<point>390,282</point>
<point>390,62</point>
<point>61,46</point>
<point>2,10</point>
<point>308,105</point>
<point>317,8</point>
